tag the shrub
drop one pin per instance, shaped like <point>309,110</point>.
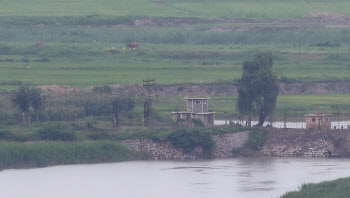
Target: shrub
<point>197,122</point>
<point>98,136</point>
<point>236,152</point>
<point>221,130</point>
<point>56,131</point>
<point>187,140</point>
<point>285,79</point>
<point>42,60</point>
<point>102,89</point>
<point>12,136</point>
<point>328,44</point>
<point>256,139</point>
<point>180,88</point>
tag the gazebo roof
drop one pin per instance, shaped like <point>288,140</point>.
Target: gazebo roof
<point>317,115</point>
<point>194,98</point>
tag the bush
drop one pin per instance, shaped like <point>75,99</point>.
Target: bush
<point>98,136</point>
<point>187,140</point>
<point>236,152</point>
<point>12,136</point>
<point>256,139</point>
<point>328,44</point>
<point>221,130</point>
<point>56,131</point>
<point>285,79</point>
<point>102,89</point>
<point>197,122</point>
<point>180,88</point>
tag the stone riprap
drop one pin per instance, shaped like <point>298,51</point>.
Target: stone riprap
<point>166,151</point>
<point>301,143</point>
<point>280,143</point>
<point>227,142</point>
<point>158,150</point>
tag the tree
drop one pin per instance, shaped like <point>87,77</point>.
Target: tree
<point>258,89</point>
<point>22,100</point>
<point>27,97</point>
<point>36,100</point>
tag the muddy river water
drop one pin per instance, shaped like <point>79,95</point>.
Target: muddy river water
<point>239,177</point>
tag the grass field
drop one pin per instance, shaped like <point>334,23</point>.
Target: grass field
<point>84,64</point>
<point>180,42</point>
<point>174,8</point>
<point>84,41</point>
<point>307,103</point>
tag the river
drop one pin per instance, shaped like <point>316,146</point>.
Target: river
<point>239,177</point>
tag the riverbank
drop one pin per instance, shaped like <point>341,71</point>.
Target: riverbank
<point>42,154</point>
<point>180,144</point>
<point>278,143</point>
<point>336,189</point>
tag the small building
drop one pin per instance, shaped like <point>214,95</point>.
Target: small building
<point>318,121</point>
<point>197,107</point>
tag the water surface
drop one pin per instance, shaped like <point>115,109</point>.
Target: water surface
<point>240,177</point>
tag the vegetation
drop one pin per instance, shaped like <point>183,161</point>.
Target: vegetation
<point>92,11</point>
<point>259,88</point>
<point>30,155</point>
<point>203,42</point>
<point>256,139</point>
<point>86,47</point>
<point>188,139</point>
<point>192,63</point>
<point>57,132</point>
<point>336,189</point>
<point>27,97</point>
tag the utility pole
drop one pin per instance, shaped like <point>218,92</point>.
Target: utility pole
<point>147,106</point>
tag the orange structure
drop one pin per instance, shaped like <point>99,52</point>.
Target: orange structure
<point>318,121</point>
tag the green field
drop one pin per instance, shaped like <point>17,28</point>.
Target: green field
<point>306,103</point>
<point>180,41</point>
<point>84,64</point>
<point>174,8</point>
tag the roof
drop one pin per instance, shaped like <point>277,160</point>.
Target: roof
<point>200,98</point>
<point>189,112</point>
<point>317,115</point>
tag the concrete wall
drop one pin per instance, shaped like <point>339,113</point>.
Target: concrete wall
<point>207,119</point>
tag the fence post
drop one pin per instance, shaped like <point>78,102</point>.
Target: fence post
<point>285,119</point>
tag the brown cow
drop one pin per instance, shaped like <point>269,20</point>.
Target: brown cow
<point>39,43</point>
<point>132,45</point>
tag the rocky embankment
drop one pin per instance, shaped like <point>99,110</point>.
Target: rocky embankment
<point>165,150</point>
<point>280,143</point>
<point>307,143</point>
